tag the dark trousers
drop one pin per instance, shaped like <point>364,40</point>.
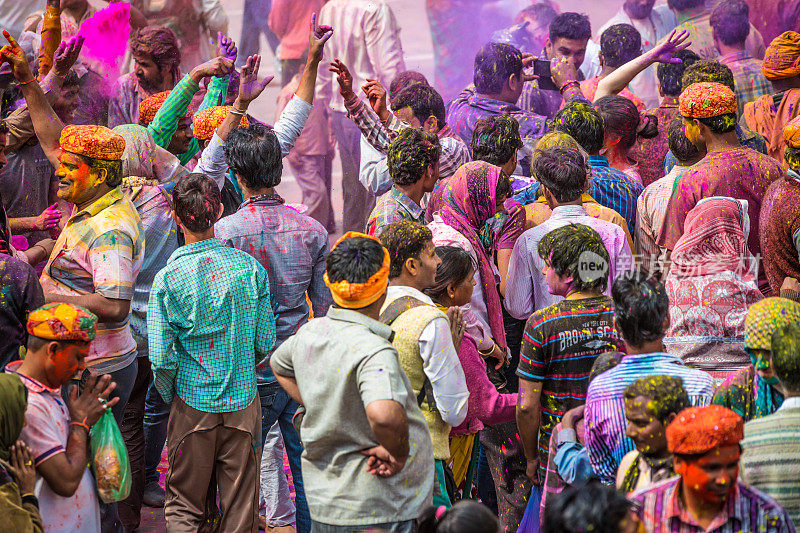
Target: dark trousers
<point>156,415</point>
<point>358,201</point>
<point>278,406</point>
<point>133,432</point>
<point>254,23</point>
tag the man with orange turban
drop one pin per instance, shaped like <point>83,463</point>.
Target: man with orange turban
<point>729,169</point>
<point>770,114</point>
<point>707,495</point>
<point>779,222</point>
<point>370,440</point>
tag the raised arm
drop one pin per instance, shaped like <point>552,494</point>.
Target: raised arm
<point>662,53</point>
<point>319,35</point>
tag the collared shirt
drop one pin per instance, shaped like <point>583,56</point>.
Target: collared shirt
<point>614,189</point>
<point>605,405</point>
<point>342,362</point>
<point>21,295</point>
<point>46,433</point>
<point>790,403</point>
<point>747,509</point>
<point>123,107</point>
<point>652,209</point>
<point>650,153</point>
<point>779,230</point>
<point>153,204</point>
<point>292,248</point>
<point>454,151</point>
<point>439,361</point>
<point>392,206</point>
<point>526,286</point>
<point>367,40</point>
<point>702,37</point>
<point>746,137</point>
<point>100,251</point>
<point>749,81</point>
<point>210,321</point>
<point>653,29</point>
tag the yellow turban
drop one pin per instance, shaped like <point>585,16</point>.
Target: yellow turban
<point>97,142</point>
<point>62,322</point>
<point>705,100</point>
<point>150,106</point>
<point>782,58</point>
<point>358,295</point>
<point>207,121</point>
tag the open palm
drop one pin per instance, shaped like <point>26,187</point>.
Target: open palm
<point>674,43</point>
<point>250,87</point>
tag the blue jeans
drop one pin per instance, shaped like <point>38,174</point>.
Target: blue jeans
<point>276,405</point>
<point>156,416</point>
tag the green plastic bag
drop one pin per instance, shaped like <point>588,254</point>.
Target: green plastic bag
<point>112,470</point>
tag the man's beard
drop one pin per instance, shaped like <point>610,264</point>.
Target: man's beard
<point>638,11</point>
<point>147,86</point>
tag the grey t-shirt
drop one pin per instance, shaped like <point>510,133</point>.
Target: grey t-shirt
<point>343,362</point>
<point>25,184</point>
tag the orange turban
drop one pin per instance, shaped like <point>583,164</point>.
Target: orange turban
<point>150,106</point>
<point>97,142</point>
<point>62,322</point>
<point>705,100</point>
<point>358,295</point>
<point>207,121</point>
<point>791,133</point>
<point>698,430</point>
<point>782,58</point>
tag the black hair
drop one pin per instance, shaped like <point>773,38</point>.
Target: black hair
<point>495,138</point>
<point>670,74</point>
<point>640,307</point>
<point>354,260</point>
<point>196,200</point>
<point>466,516</point>
<point>573,26</point>
<point>503,187</point>
<point>583,123</point>
<point>403,81</point>
<point>410,154</point>
<point>3,127</point>
<point>667,392</point>
<point>564,249</point>
<point>424,102</point>
<point>679,144</point>
<point>709,70</point>
<point>591,507</point>
<point>405,240</point>
<point>562,171</point>
<point>721,123</point>
<point>161,44</point>
<point>542,12</point>
<point>254,154</point>
<point>620,43</point>
<point>622,118</point>
<point>113,168</point>
<point>683,5</point>
<point>605,361</point>
<point>494,64</point>
<point>71,79</point>
<point>730,20</point>
<point>453,270</point>
<point>785,349</point>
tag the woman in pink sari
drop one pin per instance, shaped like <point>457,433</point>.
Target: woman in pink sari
<point>711,284</point>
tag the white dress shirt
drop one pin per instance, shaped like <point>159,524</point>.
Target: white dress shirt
<point>439,361</point>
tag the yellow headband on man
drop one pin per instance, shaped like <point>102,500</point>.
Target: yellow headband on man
<point>358,295</point>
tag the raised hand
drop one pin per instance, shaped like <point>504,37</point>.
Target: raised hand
<point>15,56</point>
<point>674,43</point>
<point>226,47</point>
<point>90,405</point>
<point>317,38</point>
<point>562,71</point>
<point>376,95</point>
<point>343,78</point>
<point>527,62</point>
<point>457,325</point>
<point>66,55</point>
<point>249,85</point>
<point>49,218</point>
<point>218,66</point>
<point>22,461</point>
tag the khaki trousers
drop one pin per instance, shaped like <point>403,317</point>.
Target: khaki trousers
<point>206,446</point>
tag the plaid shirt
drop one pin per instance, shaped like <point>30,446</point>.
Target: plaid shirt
<point>614,189</point>
<point>100,251</point>
<point>454,151</point>
<point>392,206</point>
<point>747,76</point>
<point>747,510</point>
<point>292,248</point>
<point>209,313</point>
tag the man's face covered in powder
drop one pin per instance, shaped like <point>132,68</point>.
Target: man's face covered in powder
<point>713,475</point>
<point>639,9</point>
<point>644,429</point>
<point>77,181</point>
<point>66,359</point>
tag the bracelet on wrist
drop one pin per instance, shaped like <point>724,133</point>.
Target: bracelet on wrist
<point>488,352</point>
<point>572,83</point>
<point>83,425</point>
<point>22,83</point>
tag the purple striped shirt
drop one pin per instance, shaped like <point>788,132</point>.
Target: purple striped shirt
<point>748,510</point>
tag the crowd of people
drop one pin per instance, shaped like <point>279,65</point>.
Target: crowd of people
<point>563,294</point>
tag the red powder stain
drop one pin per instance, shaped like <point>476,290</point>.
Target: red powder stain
<point>201,359</point>
<point>211,346</point>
